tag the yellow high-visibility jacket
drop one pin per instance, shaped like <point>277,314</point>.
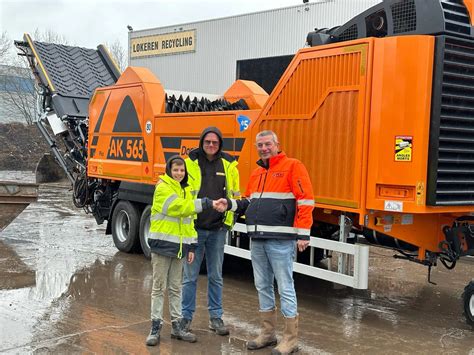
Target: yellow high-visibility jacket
<point>173,211</point>
<point>231,179</point>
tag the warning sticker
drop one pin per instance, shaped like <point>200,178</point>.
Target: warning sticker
<point>403,148</point>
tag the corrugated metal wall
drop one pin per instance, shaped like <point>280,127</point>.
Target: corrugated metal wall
<point>221,42</point>
<point>325,85</point>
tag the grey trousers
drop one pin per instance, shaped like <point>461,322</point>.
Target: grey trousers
<point>167,274</point>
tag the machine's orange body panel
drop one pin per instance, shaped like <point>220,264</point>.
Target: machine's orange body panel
<point>340,109</point>
<point>252,93</point>
<point>356,113</point>
<point>400,110</point>
<point>138,101</point>
<point>319,112</point>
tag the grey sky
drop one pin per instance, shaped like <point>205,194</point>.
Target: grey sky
<point>87,23</point>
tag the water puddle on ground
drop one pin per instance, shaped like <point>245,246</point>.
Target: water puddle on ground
<point>66,289</point>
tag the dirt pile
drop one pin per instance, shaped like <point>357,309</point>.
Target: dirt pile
<point>21,147</point>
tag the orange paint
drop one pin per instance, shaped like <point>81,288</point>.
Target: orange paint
<point>357,114</point>
<point>470,9</point>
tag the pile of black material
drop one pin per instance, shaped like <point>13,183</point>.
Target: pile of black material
<point>174,104</point>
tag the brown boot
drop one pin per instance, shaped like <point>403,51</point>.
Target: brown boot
<point>289,343</point>
<point>267,335</point>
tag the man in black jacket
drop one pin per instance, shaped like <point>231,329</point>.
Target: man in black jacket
<point>213,174</point>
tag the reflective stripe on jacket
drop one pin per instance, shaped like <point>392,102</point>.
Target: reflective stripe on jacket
<point>281,200</point>
<point>172,218</point>
<point>231,182</point>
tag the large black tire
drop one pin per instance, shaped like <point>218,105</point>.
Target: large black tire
<point>145,231</point>
<point>125,224</point>
<point>468,301</point>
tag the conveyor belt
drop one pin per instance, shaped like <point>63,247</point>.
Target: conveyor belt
<point>69,74</point>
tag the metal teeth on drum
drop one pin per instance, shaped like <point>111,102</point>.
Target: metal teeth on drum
<point>175,105</point>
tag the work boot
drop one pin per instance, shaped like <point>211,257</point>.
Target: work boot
<point>186,324</point>
<point>179,333</point>
<point>267,335</point>
<point>289,343</point>
<point>217,325</point>
<point>154,336</point>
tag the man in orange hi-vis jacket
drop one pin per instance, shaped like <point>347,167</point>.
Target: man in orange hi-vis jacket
<point>279,213</point>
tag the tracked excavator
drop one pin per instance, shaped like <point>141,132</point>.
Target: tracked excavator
<point>380,110</point>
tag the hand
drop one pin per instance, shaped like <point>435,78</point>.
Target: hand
<point>302,244</point>
<point>190,257</point>
<point>220,205</point>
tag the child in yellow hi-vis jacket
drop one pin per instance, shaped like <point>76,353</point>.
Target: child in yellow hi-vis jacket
<point>172,238</point>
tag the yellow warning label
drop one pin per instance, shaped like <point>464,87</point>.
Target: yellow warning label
<point>403,148</point>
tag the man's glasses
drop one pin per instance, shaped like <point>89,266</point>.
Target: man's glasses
<point>208,142</point>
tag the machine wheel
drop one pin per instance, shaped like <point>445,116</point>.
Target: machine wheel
<point>468,301</point>
<point>125,223</point>
<point>145,231</point>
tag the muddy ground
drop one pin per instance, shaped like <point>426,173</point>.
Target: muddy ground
<point>64,288</point>
<point>21,146</point>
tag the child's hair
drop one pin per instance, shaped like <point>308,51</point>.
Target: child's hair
<point>178,162</point>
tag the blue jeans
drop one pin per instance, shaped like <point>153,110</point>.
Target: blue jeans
<point>273,259</point>
<point>210,243</point>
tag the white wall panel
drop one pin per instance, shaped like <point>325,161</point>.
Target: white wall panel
<point>221,42</point>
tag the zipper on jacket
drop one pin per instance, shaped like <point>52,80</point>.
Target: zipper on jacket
<point>180,231</point>
<point>226,192</point>
<point>259,181</point>
<point>258,203</point>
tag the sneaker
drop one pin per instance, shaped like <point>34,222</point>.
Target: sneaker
<point>154,337</point>
<point>217,325</point>
<point>179,333</point>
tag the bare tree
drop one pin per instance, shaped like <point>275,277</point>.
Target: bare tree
<point>18,96</point>
<point>49,36</point>
<point>16,80</point>
<point>5,47</point>
<point>16,86</point>
<point>118,53</point>
<point>17,83</point>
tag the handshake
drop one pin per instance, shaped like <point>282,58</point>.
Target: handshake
<point>220,205</point>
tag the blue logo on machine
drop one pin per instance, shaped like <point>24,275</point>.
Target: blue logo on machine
<point>244,122</point>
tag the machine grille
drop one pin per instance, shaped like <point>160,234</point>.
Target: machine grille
<point>456,17</point>
<point>451,161</point>
<point>349,34</point>
<point>404,16</point>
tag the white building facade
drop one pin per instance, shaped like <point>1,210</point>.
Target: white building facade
<point>202,56</point>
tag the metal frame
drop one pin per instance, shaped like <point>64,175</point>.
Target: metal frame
<point>360,254</point>
<point>41,122</point>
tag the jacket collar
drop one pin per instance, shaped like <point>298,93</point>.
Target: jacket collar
<point>272,161</point>
<point>170,181</point>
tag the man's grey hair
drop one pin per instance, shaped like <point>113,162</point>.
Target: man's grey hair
<point>267,133</point>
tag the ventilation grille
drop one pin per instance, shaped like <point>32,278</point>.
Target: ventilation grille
<point>404,16</point>
<point>451,165</point>
<point>456,17</point>
<point>349,34</point>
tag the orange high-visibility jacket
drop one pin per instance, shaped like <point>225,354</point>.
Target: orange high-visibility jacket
<point>280,200</point>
